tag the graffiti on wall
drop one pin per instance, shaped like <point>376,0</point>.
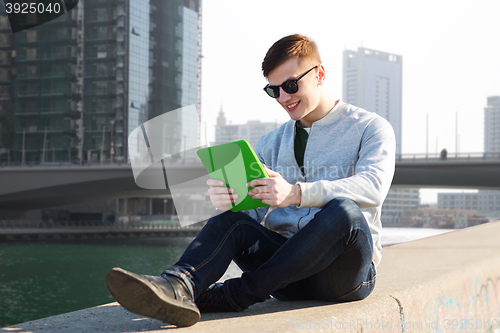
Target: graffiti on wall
<point>475,309</point>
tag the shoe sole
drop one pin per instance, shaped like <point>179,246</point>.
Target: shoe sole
<point>137,295</point>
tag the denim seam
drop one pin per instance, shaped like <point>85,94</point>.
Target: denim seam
<point>241,222</point>
<point>275,253</point>
<point>184,275</point>
<point>372,281</point>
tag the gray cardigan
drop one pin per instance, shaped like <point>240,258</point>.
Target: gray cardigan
<point>350,153</point>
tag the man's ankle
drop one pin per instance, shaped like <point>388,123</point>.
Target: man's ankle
<point>175,278</point>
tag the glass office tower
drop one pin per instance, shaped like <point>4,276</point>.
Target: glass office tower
<point>71,90</point>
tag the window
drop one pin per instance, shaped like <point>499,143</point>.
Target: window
<point>4,21</point>
<point>31,53</point>
<point>31,36</point>
<point>31,18</point>
<point>31,70</point>
<point>102,14</point>
<point>62,33</point>
<point>4,74</point>
<point>4,58</point>
<point>4,91</point>
<point>4,39</point>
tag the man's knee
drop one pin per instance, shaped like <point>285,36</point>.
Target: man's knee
<point>344,214</point>
<point>343,207</point>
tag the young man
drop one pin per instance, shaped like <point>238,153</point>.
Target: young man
<point>330,169</point>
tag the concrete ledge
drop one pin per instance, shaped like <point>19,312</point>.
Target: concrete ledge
<point>7,235</point>
<point>445,283</point>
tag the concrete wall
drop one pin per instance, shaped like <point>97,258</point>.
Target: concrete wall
<point>445,283</point>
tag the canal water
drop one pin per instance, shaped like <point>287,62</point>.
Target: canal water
<point>42,279</point>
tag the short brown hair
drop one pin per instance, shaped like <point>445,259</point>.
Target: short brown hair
<point>298,46</point>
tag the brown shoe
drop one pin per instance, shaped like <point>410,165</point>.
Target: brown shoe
<point>164,298</point>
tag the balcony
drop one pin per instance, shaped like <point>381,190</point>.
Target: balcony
<point>5,26</point>
<point>5,44</point>
<point>24,58</point>
<point>50,75</point>
<point>109,37</point>
<point>99,75</point>
<point>47,111</point>
<point>25,93</point>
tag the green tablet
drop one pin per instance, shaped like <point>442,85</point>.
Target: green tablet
<point>236,164</point>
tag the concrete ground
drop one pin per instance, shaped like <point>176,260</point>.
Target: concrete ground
<point>449,282</point>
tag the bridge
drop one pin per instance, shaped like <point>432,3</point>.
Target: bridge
<point>41,186</point>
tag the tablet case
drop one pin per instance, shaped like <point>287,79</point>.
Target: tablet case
<point>236,164</point>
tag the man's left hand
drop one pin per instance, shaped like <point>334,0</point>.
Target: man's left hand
<point>275,190</point>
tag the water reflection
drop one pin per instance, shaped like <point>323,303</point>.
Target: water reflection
<point>41,279</point>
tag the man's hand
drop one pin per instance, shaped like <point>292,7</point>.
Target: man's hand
<point>220,195</point>
<point>275,190</point>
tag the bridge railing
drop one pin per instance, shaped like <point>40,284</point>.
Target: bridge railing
<point>399,157</point>
<point>8,163</point>
<point>26,224</point>
<point>449,156</point>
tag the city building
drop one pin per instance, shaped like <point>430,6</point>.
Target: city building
<point>372,80</point>
<point>72,89</point>
<point>486,202</point>
<point>462,201</point>
<point>397,203</point>
<point>492,125</point>
<point>251,131</point>
<point>489,201</point>
<point>442,218</point>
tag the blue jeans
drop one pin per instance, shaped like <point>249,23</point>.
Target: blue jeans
<point>329,259</point>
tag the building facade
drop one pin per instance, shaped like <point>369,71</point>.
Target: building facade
<point>486,202</point>
<point>372,80</point>
<point>72,89</point>
<point>462,201</point>
<point>251,131</point>
<point>398,202</point>
<point>492,125</point>
<point>489,201</point>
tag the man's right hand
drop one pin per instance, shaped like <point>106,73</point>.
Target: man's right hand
<point>220,195</point>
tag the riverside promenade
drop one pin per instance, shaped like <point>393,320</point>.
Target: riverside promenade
<point>96,231</point>
<point>444,283</point>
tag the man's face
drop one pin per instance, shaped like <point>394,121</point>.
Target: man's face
<point>306,99</point>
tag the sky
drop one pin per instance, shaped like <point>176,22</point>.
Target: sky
<point>450,49</point>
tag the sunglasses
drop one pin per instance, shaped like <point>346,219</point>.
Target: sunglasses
<point>289,86</point>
